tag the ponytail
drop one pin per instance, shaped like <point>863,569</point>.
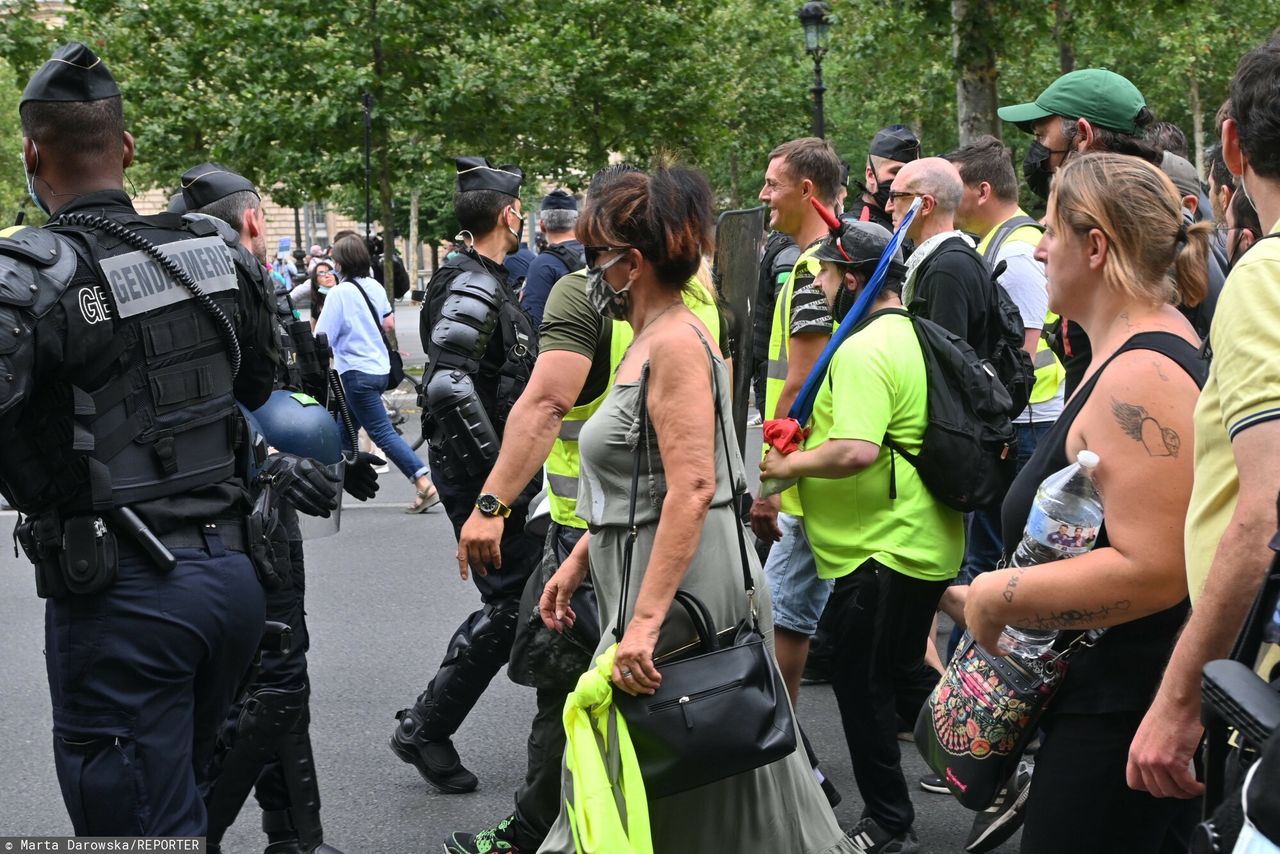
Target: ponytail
<point>1191,264</point>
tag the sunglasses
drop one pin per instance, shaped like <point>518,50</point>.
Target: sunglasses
<point>593,253</point>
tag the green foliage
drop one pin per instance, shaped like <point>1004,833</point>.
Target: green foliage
<point>274,89</point>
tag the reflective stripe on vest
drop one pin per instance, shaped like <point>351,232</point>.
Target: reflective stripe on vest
<point>1050,374</point>
<point>779,351</point>
<point>563,463</point>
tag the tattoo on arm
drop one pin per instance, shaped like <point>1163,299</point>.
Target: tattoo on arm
<point>1012,585</point>
<point>1141,427</point>
<point>1072,618</point>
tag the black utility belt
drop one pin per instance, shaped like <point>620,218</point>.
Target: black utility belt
<point>80,555</point>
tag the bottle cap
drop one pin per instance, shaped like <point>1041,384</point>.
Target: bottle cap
<point>1087,459</point>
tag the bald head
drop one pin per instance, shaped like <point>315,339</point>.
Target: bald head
<point>937,185</point>
<point>937,177</point>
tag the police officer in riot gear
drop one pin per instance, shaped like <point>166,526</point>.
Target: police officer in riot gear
<point>480,349</point>
<point>265,745</point>
<point>126,342</point>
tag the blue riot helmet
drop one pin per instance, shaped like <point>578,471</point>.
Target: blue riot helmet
<point>297,423</point>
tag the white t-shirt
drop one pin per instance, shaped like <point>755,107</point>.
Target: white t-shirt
<point>1024,280</point>
<point>354,337</point>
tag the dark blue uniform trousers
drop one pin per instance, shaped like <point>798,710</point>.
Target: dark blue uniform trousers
<point>141,675</point>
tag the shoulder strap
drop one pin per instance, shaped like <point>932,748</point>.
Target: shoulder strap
<point>629,548</point>
<point>572,261</point>
<point>1002,234</point>
<point>377,321</point>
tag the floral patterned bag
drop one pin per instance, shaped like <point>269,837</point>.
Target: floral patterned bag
<point>979,719</point>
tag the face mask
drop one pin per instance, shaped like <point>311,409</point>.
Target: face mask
<point>324,289</point>
<point>883,188</point>
<point>517,233</point>
<point>31,181</point>
<point>1035,168</point>
<point>611,304</point>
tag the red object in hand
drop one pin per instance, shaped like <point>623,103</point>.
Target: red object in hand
<point>784,434</point>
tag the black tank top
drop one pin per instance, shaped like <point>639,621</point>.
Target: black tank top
<point>1121,672</point>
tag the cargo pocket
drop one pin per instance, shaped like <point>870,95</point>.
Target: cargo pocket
<point>100,775</point>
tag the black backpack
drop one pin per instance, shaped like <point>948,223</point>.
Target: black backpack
<point>967,457</point>
<point>1012,364</point>
<point>573,261</point>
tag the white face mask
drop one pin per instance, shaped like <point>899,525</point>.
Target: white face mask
<point>31,180</point>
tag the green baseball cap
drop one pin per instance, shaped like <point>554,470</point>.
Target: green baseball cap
<point>1103,97</point>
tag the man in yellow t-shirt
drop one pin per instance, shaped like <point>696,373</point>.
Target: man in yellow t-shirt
<point>1232,516</point>
<point>874,527</point>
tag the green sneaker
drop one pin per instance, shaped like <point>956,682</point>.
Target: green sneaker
<point>489,841</point>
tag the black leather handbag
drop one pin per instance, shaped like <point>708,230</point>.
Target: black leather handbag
<point>722,707</point>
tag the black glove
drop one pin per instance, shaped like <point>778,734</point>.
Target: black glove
<point>310,487</point>
<point>361,482</point>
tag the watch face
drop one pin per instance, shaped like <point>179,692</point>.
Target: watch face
<point>487,503</point>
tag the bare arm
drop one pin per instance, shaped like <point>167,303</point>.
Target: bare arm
<point>834,458</point>
<point>1031,340</point>
<point>802,356</point>
<point>681,410</point>
<point>1141,429</point>
<point>532,427</point>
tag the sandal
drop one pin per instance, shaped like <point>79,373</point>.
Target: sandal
<point>427,498</point>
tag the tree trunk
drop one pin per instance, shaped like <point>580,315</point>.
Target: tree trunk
<point>1062,34</point>
<point>1197,123</point>
<point>973,49</point>
<point>411,260</point>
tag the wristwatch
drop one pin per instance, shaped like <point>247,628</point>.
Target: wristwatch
<point>490,505</point>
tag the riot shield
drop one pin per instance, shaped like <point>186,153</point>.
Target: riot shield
<point>735,271</point>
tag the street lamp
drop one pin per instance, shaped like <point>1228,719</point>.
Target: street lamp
<point>817,25</point>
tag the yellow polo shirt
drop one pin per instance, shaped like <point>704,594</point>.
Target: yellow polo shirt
<point>1243,389</point>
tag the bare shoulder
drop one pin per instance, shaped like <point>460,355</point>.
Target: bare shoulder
<point>1148,375</point>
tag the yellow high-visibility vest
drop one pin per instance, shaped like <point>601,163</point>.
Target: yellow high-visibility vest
<point>563,463</point>
<point>779,353</point>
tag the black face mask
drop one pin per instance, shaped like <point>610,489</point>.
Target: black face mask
<point>883,188</point>
<point>1035,168</point>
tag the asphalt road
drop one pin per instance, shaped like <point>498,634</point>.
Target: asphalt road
<point>383,598</point>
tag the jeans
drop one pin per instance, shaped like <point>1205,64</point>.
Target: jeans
<point>881,622</point>
<point>364,396</point>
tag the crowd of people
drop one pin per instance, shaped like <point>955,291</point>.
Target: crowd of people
<point>1133,318</point>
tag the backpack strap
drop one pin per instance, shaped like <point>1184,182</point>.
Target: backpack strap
<point>1002,233</point>
<point>571,260</point>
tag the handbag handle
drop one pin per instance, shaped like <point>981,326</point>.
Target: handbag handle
<point>706,633</point>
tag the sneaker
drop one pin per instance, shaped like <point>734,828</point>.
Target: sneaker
<point>754,420</point>
<point>437,762</point>
<point>934,783</point>
<point>495,839</point>
<point>994,825</point>
<point>870,838</point>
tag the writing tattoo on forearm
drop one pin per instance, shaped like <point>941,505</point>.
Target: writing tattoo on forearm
<point>1138,425</point>
<point>1012,585</point>
<point>1071,618</point>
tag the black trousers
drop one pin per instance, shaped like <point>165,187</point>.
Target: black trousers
<point>881,620</point>
<point>1079,799</point>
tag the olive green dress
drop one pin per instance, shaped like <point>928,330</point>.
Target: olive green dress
<point>774,809</point>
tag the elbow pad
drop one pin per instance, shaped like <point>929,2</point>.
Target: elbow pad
<point>468,318</point>
<point>459,428</point>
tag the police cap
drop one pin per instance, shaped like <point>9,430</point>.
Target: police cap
<point>207,183</point>
<point>897,143</point>
<point>559,200</point>
<point>476,173</point>
<point>74,73</point>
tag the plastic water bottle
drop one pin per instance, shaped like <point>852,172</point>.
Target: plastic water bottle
<point>1063,523</point>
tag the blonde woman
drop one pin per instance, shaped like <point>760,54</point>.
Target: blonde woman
<point>1118,260</point>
